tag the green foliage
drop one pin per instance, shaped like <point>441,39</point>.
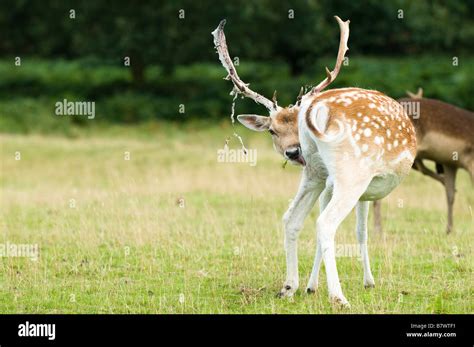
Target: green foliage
<point>28,94</point>
<point>173,33</point>
<point>173,65</point>
<point>24,115</point>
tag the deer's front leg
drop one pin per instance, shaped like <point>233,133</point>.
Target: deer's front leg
<point>293,220</point>
<point>314,278</point>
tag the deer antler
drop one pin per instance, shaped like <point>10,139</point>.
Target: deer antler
<point>418,95</point>
<point>239,85</point>
<point>299,97</point>
<point>331,75</point>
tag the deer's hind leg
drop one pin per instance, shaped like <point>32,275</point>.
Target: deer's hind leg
<point>346,194</point>
<point>450,181</point>
<point>362,213</point>
<point>378,216</point>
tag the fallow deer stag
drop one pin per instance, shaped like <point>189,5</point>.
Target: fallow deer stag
<point>355,146</point>
<point>445,135</point>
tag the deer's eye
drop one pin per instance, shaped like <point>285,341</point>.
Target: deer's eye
<point>272,132</point>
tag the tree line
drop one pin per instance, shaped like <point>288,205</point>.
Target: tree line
<point>173,33</point>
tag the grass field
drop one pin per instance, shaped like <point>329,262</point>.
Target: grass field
<point>115,238</point>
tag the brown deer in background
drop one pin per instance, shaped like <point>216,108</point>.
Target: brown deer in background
<point>445,135</point>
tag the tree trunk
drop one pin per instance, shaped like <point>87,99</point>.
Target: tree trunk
<point>138,70</point>
<point>295,68</point>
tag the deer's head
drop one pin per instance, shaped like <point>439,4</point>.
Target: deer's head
<point>282,123</point>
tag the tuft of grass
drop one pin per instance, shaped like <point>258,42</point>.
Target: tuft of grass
<point>173,231</point>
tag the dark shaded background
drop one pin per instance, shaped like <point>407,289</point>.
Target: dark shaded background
<point>173,62</point>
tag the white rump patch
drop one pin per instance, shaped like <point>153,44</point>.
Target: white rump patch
<point>319,117</point>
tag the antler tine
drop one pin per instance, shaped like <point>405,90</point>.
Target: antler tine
<point>241,87</point>
<point>418,95</point>
<point>331,75</point>
<point>300,96</point>
<point>274,99</point>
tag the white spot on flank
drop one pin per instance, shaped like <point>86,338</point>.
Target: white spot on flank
<point>359,114</point>
<point>365,147</point>
<point>357,137</point>
<point>404,142</point>
<point>371,105</point>
<point>366,119</point>
<point>395,143</point>
<point>377,140</point>
<point>388,132</point>
<point>367,132</point>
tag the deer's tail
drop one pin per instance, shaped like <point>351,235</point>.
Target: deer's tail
<point>317,120</point>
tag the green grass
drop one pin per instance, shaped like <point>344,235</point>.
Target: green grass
<point>127,247</point>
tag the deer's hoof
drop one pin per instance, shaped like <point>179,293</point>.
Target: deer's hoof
<point>369,283</point>
<point>340,302</point>
<point>287,291</point>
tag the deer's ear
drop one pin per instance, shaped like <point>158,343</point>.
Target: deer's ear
<point>254,122</point>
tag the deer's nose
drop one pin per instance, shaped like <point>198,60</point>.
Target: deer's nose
<point>292,153</point>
